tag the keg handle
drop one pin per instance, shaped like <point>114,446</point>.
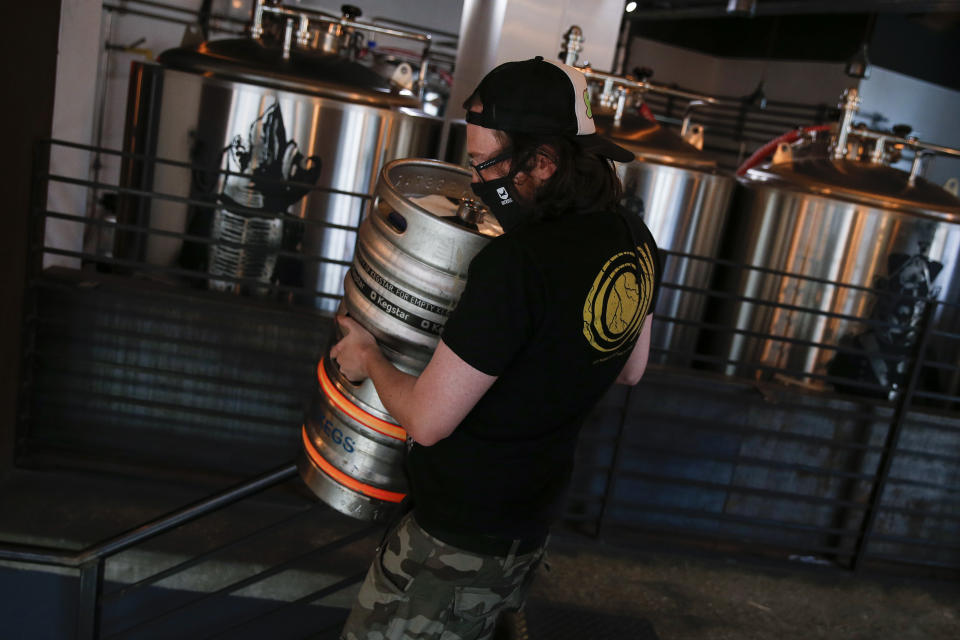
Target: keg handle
<point>470,211</point>
<point>394,221</point>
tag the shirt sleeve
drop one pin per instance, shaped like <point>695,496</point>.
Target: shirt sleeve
<point>496,315</point>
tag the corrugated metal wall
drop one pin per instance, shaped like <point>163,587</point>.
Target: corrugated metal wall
<point>763,467</point>
<point>129,368</point>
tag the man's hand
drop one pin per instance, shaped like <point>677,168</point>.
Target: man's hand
<point>429,406</point>
<point>353,352</point>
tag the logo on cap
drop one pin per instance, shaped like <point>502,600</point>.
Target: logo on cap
<point>586,101</point>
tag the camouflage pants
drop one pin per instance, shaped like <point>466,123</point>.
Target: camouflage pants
<point>421,588</point>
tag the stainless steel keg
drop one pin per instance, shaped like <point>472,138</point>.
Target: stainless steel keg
<point>352,457</point>
<point>684,198</point>
<point>409,269</point>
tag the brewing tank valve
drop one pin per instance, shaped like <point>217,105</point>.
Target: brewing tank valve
<point>849,104</point>
<point>916,167</point>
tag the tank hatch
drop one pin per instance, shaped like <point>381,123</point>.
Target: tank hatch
<point>653,143</point>
<point>304,71</point>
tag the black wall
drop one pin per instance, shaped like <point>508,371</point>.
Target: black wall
<point>28,75</point>
<point>924,46</point>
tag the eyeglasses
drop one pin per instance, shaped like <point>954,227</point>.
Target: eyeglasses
<point>506,154</point>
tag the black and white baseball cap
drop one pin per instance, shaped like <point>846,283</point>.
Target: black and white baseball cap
<point>540,96</point>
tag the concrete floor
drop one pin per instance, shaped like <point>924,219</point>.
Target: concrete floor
<point>687,597</point>
<point>591,589</point>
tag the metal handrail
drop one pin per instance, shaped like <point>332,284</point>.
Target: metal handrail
<point>90,559</point>
<point>162,524</point>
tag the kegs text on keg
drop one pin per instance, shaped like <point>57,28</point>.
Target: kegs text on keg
<point>336,435</point>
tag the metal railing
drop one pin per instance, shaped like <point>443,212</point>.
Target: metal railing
<point>803,464</point>
<point>90,562</point>
<point>735,127</point>
<point>134,200</point>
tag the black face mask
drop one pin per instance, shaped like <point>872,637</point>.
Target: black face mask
<point>501,196</point>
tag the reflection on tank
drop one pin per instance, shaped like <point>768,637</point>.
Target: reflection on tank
<point>894,324</point>
<point>632,201</point>
<point>249,227</point>
<point>272,162</point>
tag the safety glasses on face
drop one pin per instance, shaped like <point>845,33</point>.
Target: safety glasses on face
<point>506,154</point>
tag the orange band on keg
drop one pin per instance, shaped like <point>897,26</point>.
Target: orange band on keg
<point>344,479</point>
<point>373,422</point>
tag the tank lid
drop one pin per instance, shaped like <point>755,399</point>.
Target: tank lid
<point>313,72</point>
<point>653,143</point>
<point>878,186</point>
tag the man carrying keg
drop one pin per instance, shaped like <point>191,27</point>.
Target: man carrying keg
<point>554,311</point>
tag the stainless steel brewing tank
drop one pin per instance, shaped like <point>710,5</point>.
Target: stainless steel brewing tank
<point>315,118</point>
<point>408,272</point>
<point>683,197</point>
<point>818,221</point>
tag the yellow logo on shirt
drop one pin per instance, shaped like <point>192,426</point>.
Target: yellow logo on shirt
<point>618,301</point>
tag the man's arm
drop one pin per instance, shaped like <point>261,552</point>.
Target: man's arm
<point>430,406</point>
<point>637,362</point>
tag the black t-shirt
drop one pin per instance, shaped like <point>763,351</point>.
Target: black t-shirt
<point>553,309</point>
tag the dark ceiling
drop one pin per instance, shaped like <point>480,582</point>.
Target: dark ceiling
<point>712,8</point>
<point>923,42</point>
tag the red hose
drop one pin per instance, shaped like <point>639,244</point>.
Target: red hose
<point>767,149</point>
<point>445,76</point>
<point>647,113</point>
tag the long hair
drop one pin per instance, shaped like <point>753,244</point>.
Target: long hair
<point>582,183</point>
